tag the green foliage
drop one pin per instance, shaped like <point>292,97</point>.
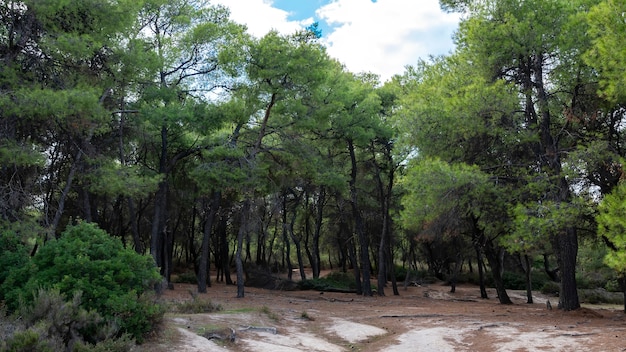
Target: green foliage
<point>334,280</point>
<point>113,280</point>
<point>62,320</point>
<point>113,179</point>
<point>188,277</point>
<point>52,324</point>
<point>13,255</point>
<point>607,55</point>
<point>434,187</point>
<point>612,226</point>
<point>27,341</point>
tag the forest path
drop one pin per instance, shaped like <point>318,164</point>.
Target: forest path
<point>426,318</point>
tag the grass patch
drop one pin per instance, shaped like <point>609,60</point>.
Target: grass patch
<point>267,311</point>
<point>240,310</point>
<point>196,306</point>
<point>306,316</point>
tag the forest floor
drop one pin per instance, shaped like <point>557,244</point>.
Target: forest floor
<point>421,318</point>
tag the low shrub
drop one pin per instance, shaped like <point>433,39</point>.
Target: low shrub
<point>197,305</point>
<point>114,281</point>
<point>335,280</point>
<point>188,277</point>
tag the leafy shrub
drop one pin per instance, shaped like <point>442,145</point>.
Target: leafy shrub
<point>28,341</point>
<point>188,277</point>
<point>52,324</point>
<point>112,278</point>
<point>13,255</point>
<point>335,279</point>
<point>613,285</point>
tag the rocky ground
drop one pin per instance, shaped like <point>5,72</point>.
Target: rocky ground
<point>422,318</point>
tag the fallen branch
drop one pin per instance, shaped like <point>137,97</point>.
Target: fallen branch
<point>259,328</point>
<point>337,299</point>
<point>412,316</point>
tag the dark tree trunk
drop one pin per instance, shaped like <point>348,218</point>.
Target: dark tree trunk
<point>157,240</point>
<point>286,243</point>
<point>224,249</point>
<point>495,264</point>
<point>243,228</point>
<point>319,217</point>
<point>203,270</point>
<point>622,284</point>
<point>359,224</point>
<point>481,272</point>
<point>567,244</point>
<point>493,258</point>
<point>552,273</point>
<point>527,267</point>
<point>296,240</point>
<point>355,265</point>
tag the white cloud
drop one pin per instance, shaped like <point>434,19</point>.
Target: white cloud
<point>261,17</point>
<point>380,37</point>
<point>384,36</point>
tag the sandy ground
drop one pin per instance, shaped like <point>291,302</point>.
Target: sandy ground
<point>426,318</point>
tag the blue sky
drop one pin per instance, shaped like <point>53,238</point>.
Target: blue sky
<point>379,36</point>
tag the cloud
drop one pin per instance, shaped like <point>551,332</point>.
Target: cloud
<point>260,16</point>
<point>384,36</point>
<point>378,36</point>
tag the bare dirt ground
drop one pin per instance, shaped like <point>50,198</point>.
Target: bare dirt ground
<point>425,318</point>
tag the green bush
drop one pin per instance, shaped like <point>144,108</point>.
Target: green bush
<point>52,324</point>
<point>335,280</point>
<point>112,279</point>
<point>28,341</point>
<point>13,255</point>
<point>188,277</point>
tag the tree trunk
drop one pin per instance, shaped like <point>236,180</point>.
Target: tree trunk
<point>203,270</point>
<point>481,272</point>
<point>286,243</point>
<point>224,249</point>
<point>355,266</point>
<point>567,244</point>
<point>527,267</point>
<point>359,224</point>
<point>240,236</point>
<point>319,217</point>
<point>552,273</point>
<point>160,203</point>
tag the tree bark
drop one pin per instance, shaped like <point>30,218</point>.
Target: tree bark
<point>527,267</point>
<point>359,224</point>
<point>481,272</point>
<point>240,236</point>
<point>203,270</point>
